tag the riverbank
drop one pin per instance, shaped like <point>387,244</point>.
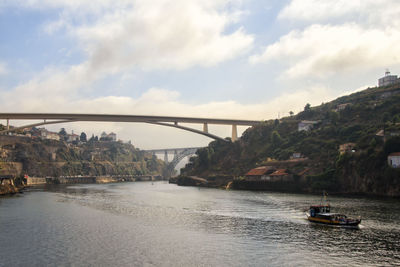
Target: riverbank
<point>295,186</point>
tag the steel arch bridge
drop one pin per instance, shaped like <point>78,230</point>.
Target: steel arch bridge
<point>179,154</point>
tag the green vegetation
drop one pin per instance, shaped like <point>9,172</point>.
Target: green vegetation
<point>357,118</point>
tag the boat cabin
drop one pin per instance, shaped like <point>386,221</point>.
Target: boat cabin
<point>319,209</point>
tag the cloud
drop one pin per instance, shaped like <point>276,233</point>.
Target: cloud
<point>163,35</point>
<point>363,39</point>
<point>368,12</point>
<point>150,34</point>
<point>3,68</point>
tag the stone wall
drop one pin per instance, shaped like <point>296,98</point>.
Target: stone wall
<point>35,180</point>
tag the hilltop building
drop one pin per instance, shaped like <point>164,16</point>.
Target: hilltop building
<point>388,79</point>
<point>72,138</point>
<point>45,134</point>
<point>347,148</point>
<point>306,125</point>
<point>342,106</point>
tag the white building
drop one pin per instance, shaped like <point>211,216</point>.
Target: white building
<point>394,160</point>
<point>387,79</point>
<point>45,134</point>
<point>72,137</point>
<point>306,125</point>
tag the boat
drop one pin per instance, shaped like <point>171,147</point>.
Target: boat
<point>322,214</point>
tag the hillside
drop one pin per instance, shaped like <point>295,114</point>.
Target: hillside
<point>368,121</point>
<point>41,158</point>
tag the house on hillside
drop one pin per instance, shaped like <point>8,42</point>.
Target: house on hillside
<point>45,134</point>
<point>306,125</point>
<point>342,106</point>
<point>394,160</point>
<point>72,138</point>
<point>296,155</point>
<point>388,79</point>
<point>347,148</point>
<point>259,173</point>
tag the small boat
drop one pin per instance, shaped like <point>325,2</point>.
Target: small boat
<point>322,214</point>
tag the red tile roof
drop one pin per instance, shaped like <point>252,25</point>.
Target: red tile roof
<point>259,171</point>
<point>394,154</point>
<point>280,172</point>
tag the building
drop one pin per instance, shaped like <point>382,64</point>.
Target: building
<point>306,125</point>
<point>347,148</point>
<point>296,155</point>
<point>72,138</point>
<point>112,136</point>
<point>342,106</point>
<point>387,79</point>
<point>394,160</point>
<point>259,173</point>
<point>45,134</point>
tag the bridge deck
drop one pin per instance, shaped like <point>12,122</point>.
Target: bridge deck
<point>122,118</point>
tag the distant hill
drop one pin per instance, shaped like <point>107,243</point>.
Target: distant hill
<point>367,121</point>
<point>41,158</point>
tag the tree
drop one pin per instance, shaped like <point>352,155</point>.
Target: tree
<point>83,137</point>
<point>291,113</point>
<point>63,134</point>
<point>62,131</point>
<point>392,145</point>
<point>276,139</point>
<point>307,107</point>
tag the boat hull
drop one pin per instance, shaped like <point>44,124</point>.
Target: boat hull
<point>327,221</point>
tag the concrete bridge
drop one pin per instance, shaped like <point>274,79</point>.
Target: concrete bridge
<point>52,118</point>
<point>179,154</point>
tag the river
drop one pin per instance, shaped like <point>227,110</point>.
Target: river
<point>161,224</point>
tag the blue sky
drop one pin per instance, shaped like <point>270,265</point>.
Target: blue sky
<point>244,59</point>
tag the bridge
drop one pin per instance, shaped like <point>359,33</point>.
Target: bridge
<point>53,118</point>
<point>179,154</point>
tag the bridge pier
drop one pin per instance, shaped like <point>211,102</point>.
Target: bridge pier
<point>8,124</point>
<point>166,156</point>
<point>234,132</point>
<point>205,127</point>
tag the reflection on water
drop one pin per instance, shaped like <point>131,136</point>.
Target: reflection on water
<point>154,224</point>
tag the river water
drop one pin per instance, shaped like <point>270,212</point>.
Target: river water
<point>160,224</point>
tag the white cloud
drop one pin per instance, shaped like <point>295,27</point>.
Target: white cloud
<point>163,35</point>
<point>3,68</point>
<point>359,37</point>
<point>368,12</point>
<point>150,34</point>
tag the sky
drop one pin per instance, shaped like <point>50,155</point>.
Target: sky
<point>236,59</point>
